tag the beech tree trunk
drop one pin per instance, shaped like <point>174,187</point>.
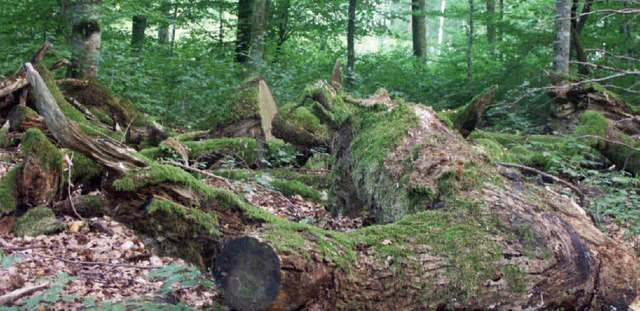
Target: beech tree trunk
<point>351,44</point>
<point>562,42</point>
<point>472,238</point>
<point>86,37</point>
<point>419,27</point>
<point>243,41</point>
<point>260,19</point>
<point>491,23</point>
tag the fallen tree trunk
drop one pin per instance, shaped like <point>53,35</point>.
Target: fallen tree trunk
<point>474,239</point>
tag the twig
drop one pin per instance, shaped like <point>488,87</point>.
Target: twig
<point>96,263</point>
<point>556,179</point>
<point>18,293</point>
<point>195,170</point>
<point>609,141</point>
<point>69,162</point>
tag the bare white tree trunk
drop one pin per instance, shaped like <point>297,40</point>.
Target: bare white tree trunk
<point>441,29</point>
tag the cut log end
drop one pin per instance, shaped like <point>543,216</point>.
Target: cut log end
<point>249,273</point>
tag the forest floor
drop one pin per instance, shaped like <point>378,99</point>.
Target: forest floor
<point>99,262</point>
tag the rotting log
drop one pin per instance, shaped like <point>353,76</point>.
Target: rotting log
<point>489,242</point>
<point>109,153</point>
<point>466,118</point>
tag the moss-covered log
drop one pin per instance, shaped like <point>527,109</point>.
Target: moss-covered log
<point>463,236</point>
<point>617,147</point>
<point>466,118</point>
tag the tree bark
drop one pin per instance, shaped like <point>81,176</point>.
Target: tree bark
<point>86,37</point>
<point>470,50</point>
<point>578,20</point>
<point>138,31</point>
<point>243,41</point>
<point>419,27</point>
<point>351,44</point>
<point>260,19</point>
<point>562,42</point>
<point>491,23</point>
<point>492,242</point>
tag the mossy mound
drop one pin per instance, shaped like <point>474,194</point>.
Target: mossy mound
<point>36,221</point>
<point>35,144</point>
<point>293,187</point>
<point>8,190</point>
<point>242,105</point>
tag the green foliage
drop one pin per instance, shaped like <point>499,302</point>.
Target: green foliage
<point>7,261</point>
<point>175,276</point>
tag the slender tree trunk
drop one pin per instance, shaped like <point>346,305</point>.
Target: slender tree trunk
<point>260,20</point>
<point>443,7</point>
<point>85,37</point>
<point>419,28</point>
<point>175,25</point>
<point>562,43</point>
<point>221,26</point>
<point>491,25</point>
<point>578,20</point>
<point>283,25</point>
<point>138,31</point>
<point>500,28</point>
<point>470,50</point>
<point>245,13</point>
<point>351,49</point>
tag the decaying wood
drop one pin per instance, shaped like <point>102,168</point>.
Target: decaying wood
<point>20,120</point>
<point>336,76</point>
<point>112,155</point>
<point>19,293</point>
<point>19,80</point>
<point>556,179</point>
<point>466,118</point>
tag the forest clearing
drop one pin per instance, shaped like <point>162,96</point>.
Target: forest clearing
<point>231,163</point>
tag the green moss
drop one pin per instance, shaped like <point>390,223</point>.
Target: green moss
<point>494,151</point>
<point>377,135</point>
<point>242,105</point>
<point>84,169</point>
<point>461,240</point>
<point>191,217</point>
<point>36,221</point>
<point>37,145</point>
<point>592,123</point>
<point>446,117</point>
<point>515,278</point>
<point>503,139</point>
<point>5,139</point>
<point>292,187</point>
<point>8,190</point>
<point>302,119</point>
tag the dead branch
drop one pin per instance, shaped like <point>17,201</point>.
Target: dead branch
<point>554,178</point>
<point>198,171</point>
<point>609,141</point>
<point>19,293</point>
<point>97,263</point>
